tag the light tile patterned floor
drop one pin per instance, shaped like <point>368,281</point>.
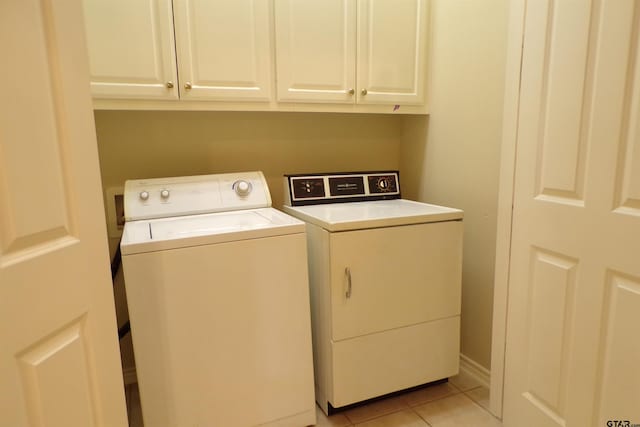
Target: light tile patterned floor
<point>460,402</point>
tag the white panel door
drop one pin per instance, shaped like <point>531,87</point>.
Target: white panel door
<point>316,50</point>
<point>224,49</point>
<point>392,37</point>
<point>59,358</point>
<point>131,49</point>
<point>573,347</point>
<point>378,282</point>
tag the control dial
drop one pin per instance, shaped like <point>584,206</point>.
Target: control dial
<point>308,186</point>
<point>144,195</point>
<point>242,187</point>
<point>384,184</point>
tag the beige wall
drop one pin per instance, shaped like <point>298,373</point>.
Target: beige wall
<point>146,144</point>
<point>453,156</point>
<point>157,144</point>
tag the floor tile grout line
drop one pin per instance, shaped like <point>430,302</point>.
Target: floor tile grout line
<point>478,403</point>
<point>482,407</point>
<point>387,414</point>
<point>436,399</point>
<point>456,390</point>
<point>466,390</point>
<point>408,406</point>
<point>378,416</point>
<point>471,389</point>
<point>421,417</point>
<point>470,399</point>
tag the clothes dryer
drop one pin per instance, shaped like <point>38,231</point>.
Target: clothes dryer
<point>385,278</point>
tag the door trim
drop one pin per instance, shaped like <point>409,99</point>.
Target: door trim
<point>515,35</point>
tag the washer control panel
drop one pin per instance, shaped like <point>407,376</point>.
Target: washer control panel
<point>341,187</point>
<point>190,195</point>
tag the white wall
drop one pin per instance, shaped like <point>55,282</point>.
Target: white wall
<point>452,157</point>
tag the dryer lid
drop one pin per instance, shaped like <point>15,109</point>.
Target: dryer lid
<point>382,213</point>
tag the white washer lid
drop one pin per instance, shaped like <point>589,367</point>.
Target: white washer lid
<point>195,230</point>
<point>374,214</point>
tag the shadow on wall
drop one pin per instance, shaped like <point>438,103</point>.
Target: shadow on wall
<point>413,151</point>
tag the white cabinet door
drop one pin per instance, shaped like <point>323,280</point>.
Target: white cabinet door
<point>131,49</point>
<point>316,50</point>
<point>386,285</point>
<point>224,49</point>
<point>392,51</point>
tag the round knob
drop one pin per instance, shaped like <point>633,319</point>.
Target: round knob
<point>187,85</point>
<point>242,188</point>
<point>363,92</point>
<point>144,195</point>
<point>352,91</point>
<point>164,194</point>
<point>169,85</point>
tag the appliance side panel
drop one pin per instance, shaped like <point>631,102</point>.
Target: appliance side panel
<point>320,290</point>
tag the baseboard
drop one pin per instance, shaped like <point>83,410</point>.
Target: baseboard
<point>129,375</point>
<point>474,369</point>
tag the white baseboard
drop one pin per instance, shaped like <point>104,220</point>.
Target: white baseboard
<point>129,375</point>
<point>474,369</point>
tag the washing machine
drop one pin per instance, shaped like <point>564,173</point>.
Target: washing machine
<point>385,279</point>
<point>217,290</point>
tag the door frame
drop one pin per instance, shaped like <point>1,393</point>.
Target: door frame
<point>515,34</point>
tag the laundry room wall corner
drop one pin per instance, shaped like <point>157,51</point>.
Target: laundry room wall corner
<point>453,157</point>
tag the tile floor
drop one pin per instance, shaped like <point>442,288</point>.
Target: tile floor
<point>460,402</point>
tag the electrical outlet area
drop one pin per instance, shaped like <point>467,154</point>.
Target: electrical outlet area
<point>119,204</point>
<point>115,211</point>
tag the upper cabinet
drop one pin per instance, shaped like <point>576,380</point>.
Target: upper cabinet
<point>223,49</point>
<point>316,50</point>
<point>346,51</point>
<point>131,49</point>
<point>282,55</point>
<point>392,38</point>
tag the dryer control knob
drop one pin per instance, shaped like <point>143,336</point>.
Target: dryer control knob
<point>242,187</point>
<point>144,195</point>
<point>164,194</point>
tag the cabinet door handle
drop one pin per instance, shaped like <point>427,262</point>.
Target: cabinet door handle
<point>352,91</point>
<point>187,85</point>
<point>347,272</point>
<point>169,85</point>
<point>364,92</point>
